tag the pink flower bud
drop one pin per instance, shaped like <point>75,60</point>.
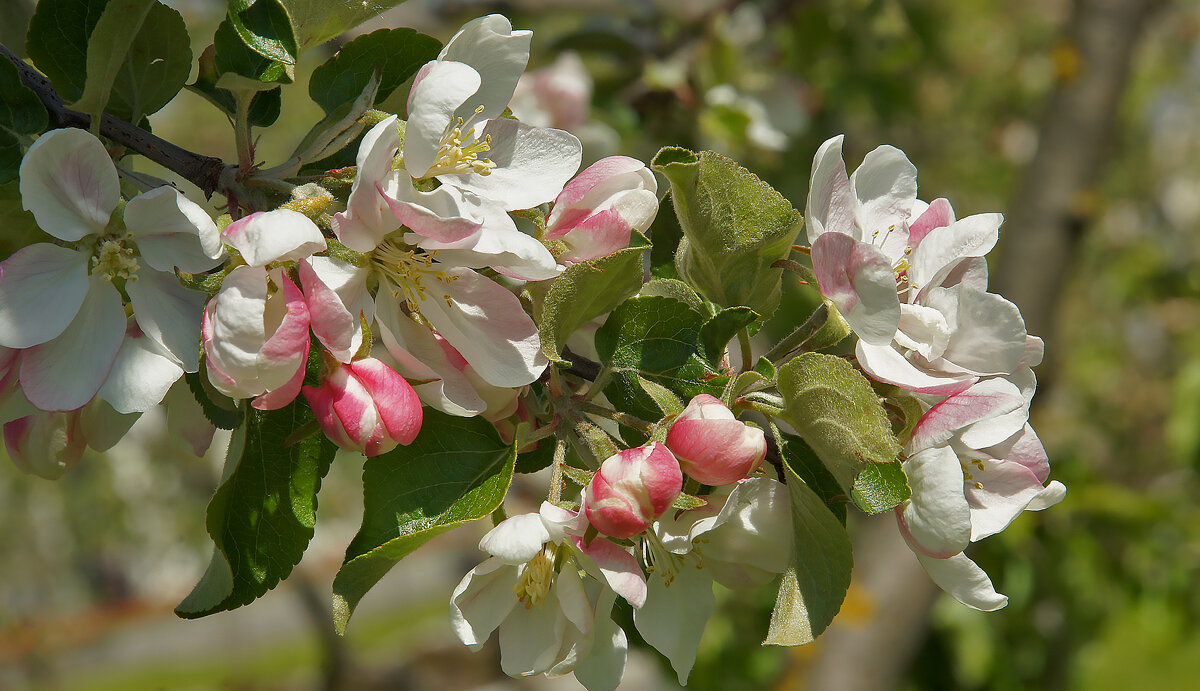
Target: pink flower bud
<point>46,444</point>
<point>714,447</point>
<point>595,212</point>
<point>632,489</point>
<point>366,406</point>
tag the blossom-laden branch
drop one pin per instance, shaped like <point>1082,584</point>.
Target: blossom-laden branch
<point>208,173</point>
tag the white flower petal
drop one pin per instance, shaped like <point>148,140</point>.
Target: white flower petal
<point>532,164</point>
<point>604,665</point>
<point>517,539</point>
<point>488,325</point>
<point>973,236</point>
<point>989,337</point>
<point>998,492</point>
<point>498,244</point>
<point>1051,495</point>
<point>887,365</point>
<point>367,217</point>
<point>438,90</point>
<point>69,184</point>
<point>674,616</point>
<point>886,187</point>
<point>172,231</point>
<point>858,279</point>
<point>41,289</point>
<point>481,601</point>
<point>937,520</point>
<point>103,426</point>
<point>170,314</point>
<point>65,372</point>
<point>274,236</point>
<point>499,54</point>
<point>415,352</point>
<point>965,581</point>
<point>830,201</point>
<point>140,376</point>
<point>531,639</point>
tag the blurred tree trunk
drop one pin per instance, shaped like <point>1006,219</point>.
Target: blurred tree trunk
<point>1055,201</point>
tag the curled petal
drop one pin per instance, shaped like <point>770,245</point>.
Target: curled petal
<point>499,54</point>
<point>273,236</point>
<point>936,522</point>
<point>69,184</point>
<point>886,187</point>
<point>367,217</point>
<point>859,280</point>
<point>438,90</point>
<point>965,581</point>
<point>830,201</point>
<point>172,231</point>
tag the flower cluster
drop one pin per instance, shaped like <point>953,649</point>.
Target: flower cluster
<point>911,281</point>
<point>553,576</point>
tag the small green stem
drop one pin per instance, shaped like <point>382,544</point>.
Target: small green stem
<point>598,385</point>
<point>802,333</point>
<point>556,471</point>
<point>622,418</point>
<point>241,133</point>
<point>499,515</point>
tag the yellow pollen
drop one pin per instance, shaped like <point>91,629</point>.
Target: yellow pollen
<point>459,151</point>
<point>536,578</point>
<point>978,485</point>
<point>410,271</point>
<point>114,260</point>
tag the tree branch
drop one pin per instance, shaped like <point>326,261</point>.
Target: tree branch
<point>206,172</point>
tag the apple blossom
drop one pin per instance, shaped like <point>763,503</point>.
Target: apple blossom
<point>596,212</point>
<point>64,306</point>
<point>712,446</point>
<point>365,406</point>
<point>631,489</point>
<point>740,539</point>
<point>255,329</point>
<point>550,595</point>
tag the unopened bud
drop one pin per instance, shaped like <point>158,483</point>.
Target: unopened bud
<point>366,406</point>
<point>632,489</point>
<point>714,447</point>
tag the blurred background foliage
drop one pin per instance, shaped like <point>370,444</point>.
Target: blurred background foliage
<point>1101,587</point>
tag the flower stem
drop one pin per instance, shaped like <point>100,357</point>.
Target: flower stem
<point>556,470</point>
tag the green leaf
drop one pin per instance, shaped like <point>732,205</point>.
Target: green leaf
<point>456,471</point>
<point>219,415</point>
<point>718,331</point>
<point>21,115</point>
<point>20,228</point>
<point>657,338</point>
<point>108,45</point>
<point>803,461</point>
<point>262,516</point>
<point>57,42</point>
<point>880,486</point>
<point>266,29</point>
<point>835,409</point>
<point>397,53</point>
<point>234,57</point>
<point>811,591</point>
<point>663,397</point>
<point>585,291</point>
<point>734,227</point>
<point>317,21</point>
<point>264,107</point>
<point>155,68</point>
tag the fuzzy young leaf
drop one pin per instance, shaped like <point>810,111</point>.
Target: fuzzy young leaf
<point>21,115</point>
<point>880,486</point>
<point>734,227</point>
<point>835,409</point>
<point>585,291</point>
<point>811,591</point>
<point>317,21</point>
<point>262,516</point>
<point>397,53</point>
<point>456,471</point>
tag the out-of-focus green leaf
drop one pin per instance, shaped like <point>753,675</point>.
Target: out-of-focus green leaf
<point>734,227</point>
<point>585,291</point>
<point>835,409</point>
<point>397,53</point>
<point>317,21</point>
<point>21,115</point>
<point>57,42</point>
<point>811,591</point>
<point>108,45</point>
<point>262,516</point>
<point>456,471</point>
